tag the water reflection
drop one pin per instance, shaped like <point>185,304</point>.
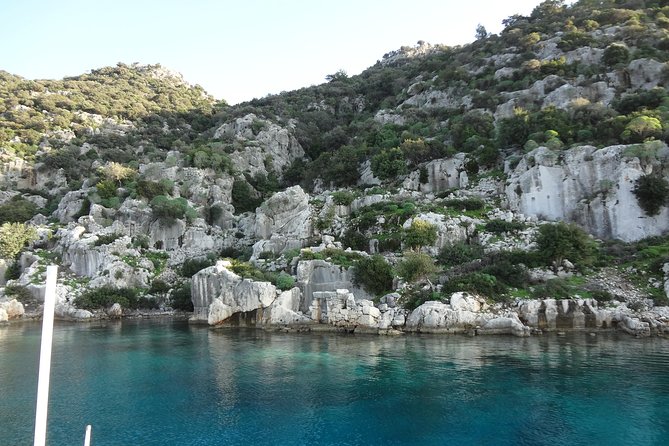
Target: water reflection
<point>170,383</point>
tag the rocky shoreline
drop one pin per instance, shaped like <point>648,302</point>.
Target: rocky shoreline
<point>465,315</point>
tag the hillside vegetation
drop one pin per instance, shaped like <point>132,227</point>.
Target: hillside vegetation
<point>438,165</point>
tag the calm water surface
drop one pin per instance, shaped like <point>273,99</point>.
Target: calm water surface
<point>166,383</point>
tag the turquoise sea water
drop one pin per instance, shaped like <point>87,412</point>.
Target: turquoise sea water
<point>167,383</point>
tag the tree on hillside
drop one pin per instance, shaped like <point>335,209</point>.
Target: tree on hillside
<point>419,234</point>
<point>481,32</point>
<point>557,242</point>
<point>652,192</point>
<point>117,172</point>
<point>13,237</point>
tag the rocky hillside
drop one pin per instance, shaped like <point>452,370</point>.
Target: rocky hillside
<point>528,169</point>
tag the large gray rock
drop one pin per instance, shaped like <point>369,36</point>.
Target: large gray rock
<point>342,309</point>
<point>286,309</point>
<point>167,235</point>
<point>442,174</point>
<point>240,295</point>
<point>285,214</point>
<point>588,186</point>
<point>70,205</point>
<point>263,141</point>
<point>13,309</point>
<point>449,229</point>
<point>634,326</point>
<point>437,317</point>
<point>505,325</point>
<point>645,74</point>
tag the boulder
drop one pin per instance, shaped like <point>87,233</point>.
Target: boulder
<point>285,214</point>
<point>505,325</point>
<point>4,317</point>
<point>285,309</point>
<point>634,326</point>
<point>463,301</point>
<point>115,311</point>
<point>442,174</point>
<point>437,317</point>
<point>240,295</point>
<point>14,309</point>
<point>70,205</point>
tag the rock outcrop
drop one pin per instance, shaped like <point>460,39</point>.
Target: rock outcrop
<point>588,186</point>
<point>228,293</point>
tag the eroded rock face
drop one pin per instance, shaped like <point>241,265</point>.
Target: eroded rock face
<point>235,294</point>
<point>565,314</point>
<point>263,140</point>
<point>442,174</point>
<point>285,214</point>
<point>70,205</point>
<point>588,186</point>
<point>438,317</point>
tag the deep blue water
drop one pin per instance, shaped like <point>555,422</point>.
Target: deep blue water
<point>167,383</point>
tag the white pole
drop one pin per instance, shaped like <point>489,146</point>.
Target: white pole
<point>87,438</point>
<point>45,356</point>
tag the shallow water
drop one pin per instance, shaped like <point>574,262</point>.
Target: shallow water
<point>167,383</point>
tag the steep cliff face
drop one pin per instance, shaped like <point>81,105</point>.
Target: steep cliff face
<point>588,186</point>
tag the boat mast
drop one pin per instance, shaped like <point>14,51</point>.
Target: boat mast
<point>45,356</point>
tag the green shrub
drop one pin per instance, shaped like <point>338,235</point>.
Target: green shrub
<point>459,253</point>
<point>374,274</point>
<point>17,210</point>
<point>284,281</point>
<point>389,164</point>
<point>159,287</point>
<point>13,271</point>
<point>181,298</point>
<point>465,204</point>
<point>559,241</point>
<point>13,237</point>
<point>106,188</point>
<point>170,209</point>
<point>244,198</point>
<point>343,198</point>
<point>419,234</point>
<point>18,292</point>
<point>652,193</point>
<point>552,289</point>
<point>508,273</point>
<point>107,296</point>
<point>355,240</point>
<point>151,189</point>
<point>416,266</point>
<point>501,226</point>
<point>190,267</point>
<point>477,283</point>
<point>642,128</point>
<point>106,239</point>
<point>615,54</point>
